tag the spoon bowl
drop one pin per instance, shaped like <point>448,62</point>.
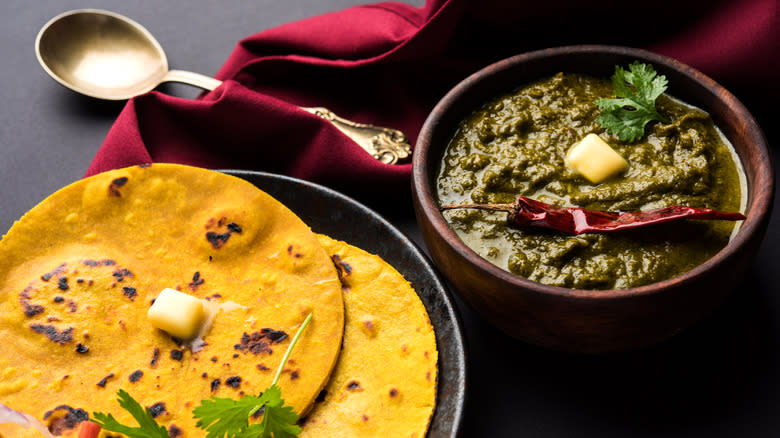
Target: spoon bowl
<point>101,54</point>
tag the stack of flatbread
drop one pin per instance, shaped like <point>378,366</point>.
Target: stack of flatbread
<point>80,270</point>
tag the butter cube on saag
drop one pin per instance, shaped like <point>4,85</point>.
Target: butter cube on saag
<point>594,159</point>
<point>178,313</point>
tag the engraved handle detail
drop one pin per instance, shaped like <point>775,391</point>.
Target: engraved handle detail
<point>385,144</point>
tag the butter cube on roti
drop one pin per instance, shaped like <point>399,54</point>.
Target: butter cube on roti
<point>594,159</point>
<point>177,313</point>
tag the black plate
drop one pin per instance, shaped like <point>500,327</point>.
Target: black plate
<point>329,212</point>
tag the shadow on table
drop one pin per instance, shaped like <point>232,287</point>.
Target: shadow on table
<point>711,380</point>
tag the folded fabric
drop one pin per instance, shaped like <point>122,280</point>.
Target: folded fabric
<point>388,64</point>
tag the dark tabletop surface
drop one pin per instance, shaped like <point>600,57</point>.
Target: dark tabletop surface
<point>720,378</point>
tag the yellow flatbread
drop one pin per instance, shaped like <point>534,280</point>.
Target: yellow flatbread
<point>79,271</point>
<point>384,383</point>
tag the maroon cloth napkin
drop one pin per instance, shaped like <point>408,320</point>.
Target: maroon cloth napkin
<point>388,64</point>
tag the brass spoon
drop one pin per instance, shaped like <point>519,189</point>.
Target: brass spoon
<point>108,56</point>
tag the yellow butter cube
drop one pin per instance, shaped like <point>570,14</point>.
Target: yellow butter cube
<point>178,313</point>
<point>594,159</point>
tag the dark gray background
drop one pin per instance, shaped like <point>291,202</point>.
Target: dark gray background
<point>718,379</point>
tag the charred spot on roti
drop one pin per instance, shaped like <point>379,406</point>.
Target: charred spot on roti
<point>292,252</point>
<point>177,354</point>
<point>29,309</point>
<point>343,269</point>
<point>354,385</point>
<point>157,409</point>
<point>59,299</point>
<point>81,348</point>
<point>261,367</point>
<point>215,384</point>
<point>129,292</point>
<point>260,342</point>
<point>135,376</point>
<point>155,357</point>
<point>104,380</point>
<point>368,327</point>
<point>197,280</point>
<point>62,283</point>
<point>56,271</point>
<point>393,392</point>
<point>114,186</point>
<point>54,335</point>
<point>121,273</point>
<point>233,381</point>
<point>64,418</point>
<point>217,240</point>
<point>276,336</point>
<point>174,431</point>
<point>364,417</point>
<point>95,263</point>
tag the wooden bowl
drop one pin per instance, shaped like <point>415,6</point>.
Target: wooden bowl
<point>590,320</point>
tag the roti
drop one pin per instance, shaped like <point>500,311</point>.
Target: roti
<point>384,383</point>
<point>79,271</point>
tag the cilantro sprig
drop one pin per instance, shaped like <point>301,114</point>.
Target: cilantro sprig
<point>226,417</point>
<point>634,105</point>
<point>220,417</point>
<point>148,427</point>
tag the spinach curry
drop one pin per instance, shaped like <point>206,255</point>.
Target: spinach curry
<point>516,145</point>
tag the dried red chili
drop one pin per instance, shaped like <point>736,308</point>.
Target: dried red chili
<point>571,220</point>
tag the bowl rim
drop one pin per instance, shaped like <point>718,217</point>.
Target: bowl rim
<point>758,206</point>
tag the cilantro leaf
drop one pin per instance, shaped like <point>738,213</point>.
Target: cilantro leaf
<point>226,417</point>
<point>633,108</point>
<point>148,425</point>
<point>278,420</point>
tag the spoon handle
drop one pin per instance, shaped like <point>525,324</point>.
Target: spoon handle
<point>384,144</point>
<point>195,79</point>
